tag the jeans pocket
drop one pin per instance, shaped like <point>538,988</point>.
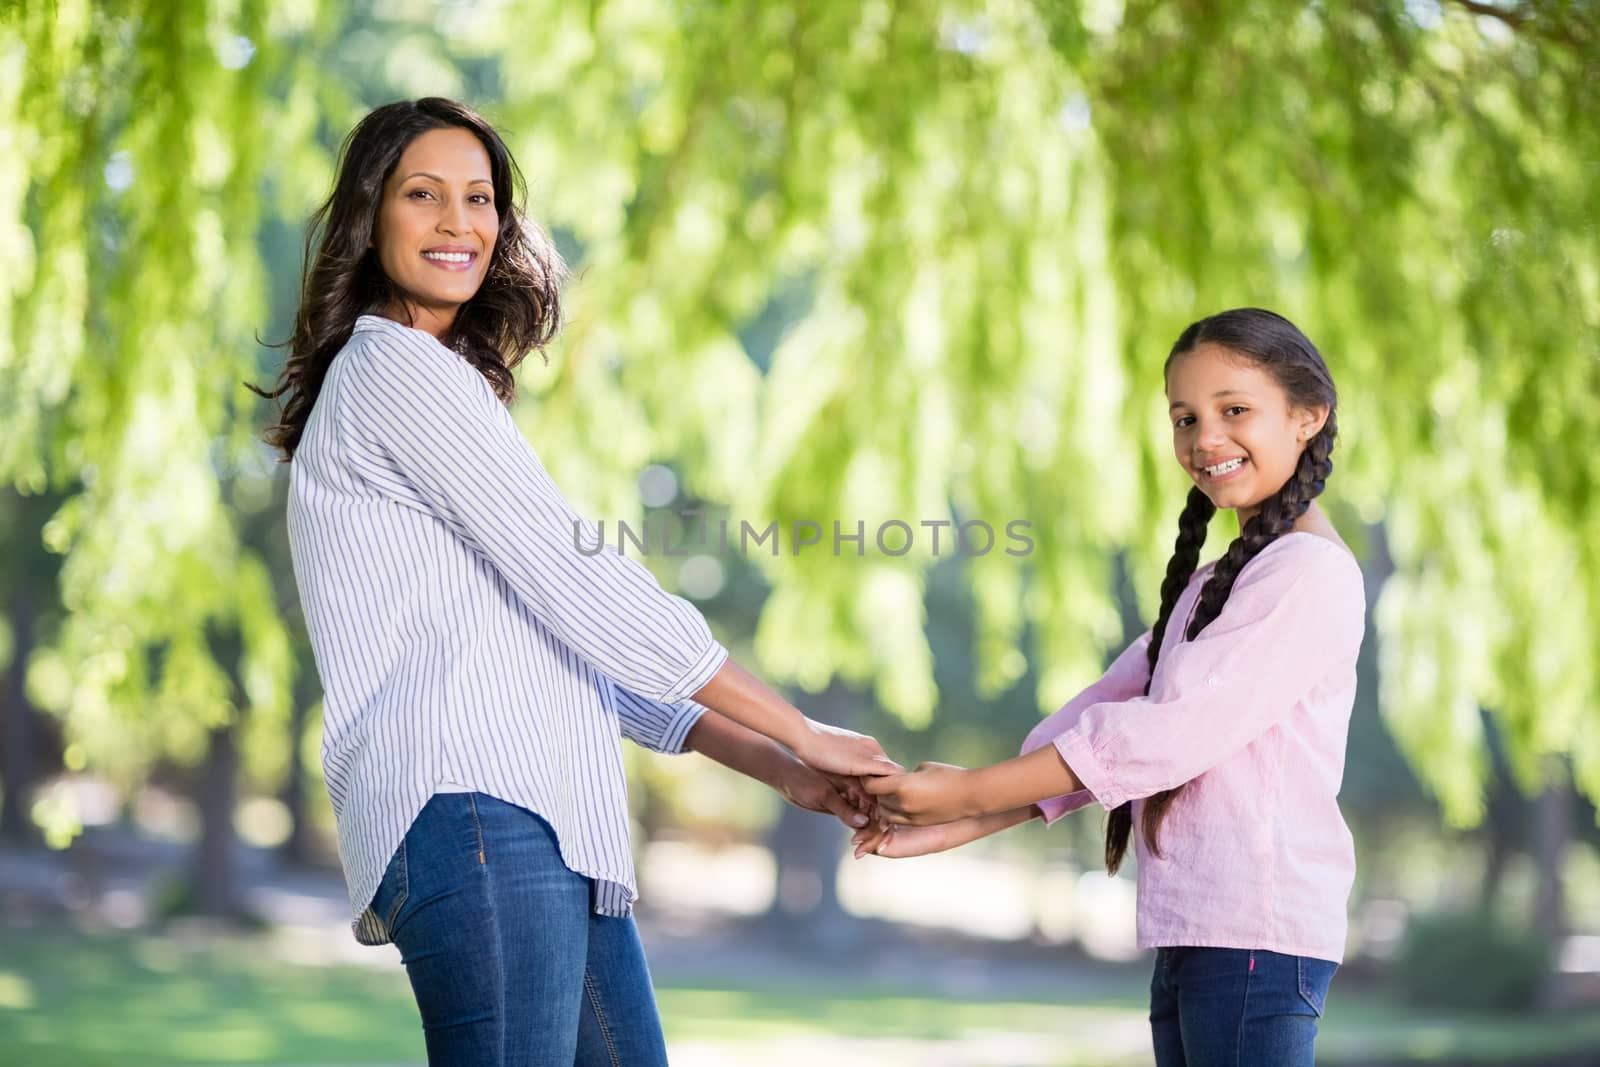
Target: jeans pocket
<point>392,890</point>
<point>1314,976</point>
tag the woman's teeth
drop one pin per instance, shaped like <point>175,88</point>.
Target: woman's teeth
<point>449,257</point>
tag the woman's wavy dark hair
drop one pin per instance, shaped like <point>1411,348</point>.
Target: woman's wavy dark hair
<point>1273,343</point>
<point>515,310</point>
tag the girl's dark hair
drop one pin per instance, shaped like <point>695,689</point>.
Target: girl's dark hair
<point>515,310</point>
<point>1273,343</point>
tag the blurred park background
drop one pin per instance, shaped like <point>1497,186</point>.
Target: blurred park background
<point>840,262</point>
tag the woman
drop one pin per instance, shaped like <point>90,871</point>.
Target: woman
<point>478,667</point>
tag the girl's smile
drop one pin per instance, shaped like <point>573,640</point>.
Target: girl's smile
<point>1223,470</point>
<point>1234,431</point>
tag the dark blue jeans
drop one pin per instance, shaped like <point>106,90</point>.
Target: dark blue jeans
<point>1211,1007</point>
<point>509,964</point>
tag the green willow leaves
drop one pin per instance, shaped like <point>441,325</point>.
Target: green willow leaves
<point>979,226</point>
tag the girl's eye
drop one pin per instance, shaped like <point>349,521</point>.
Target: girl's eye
<point>1183,422</point>
<point>1237,408</point>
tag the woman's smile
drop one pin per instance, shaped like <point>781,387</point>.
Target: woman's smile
<point>451,257</point>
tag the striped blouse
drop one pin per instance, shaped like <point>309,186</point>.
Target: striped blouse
<point>461,636</point>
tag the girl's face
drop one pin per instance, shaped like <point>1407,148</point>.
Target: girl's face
<point>437,226</point>
<point>1233,429</point>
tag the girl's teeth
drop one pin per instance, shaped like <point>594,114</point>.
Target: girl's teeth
<point>1225,468</point>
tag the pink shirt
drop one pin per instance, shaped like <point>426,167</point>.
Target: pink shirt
<point>1253,713</point>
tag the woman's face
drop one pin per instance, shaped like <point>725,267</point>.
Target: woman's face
<point>437,226</point>
<point>1233,429</point>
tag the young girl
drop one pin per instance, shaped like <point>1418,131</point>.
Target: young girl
<point>1220,733</point>
<point>478,667</point>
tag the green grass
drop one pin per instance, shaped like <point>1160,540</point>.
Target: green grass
<point>67,998</point>
<point>1370,1027</point>
<point>1366,1027</point>
<point>142,1000</point>
<point>772,1011</point>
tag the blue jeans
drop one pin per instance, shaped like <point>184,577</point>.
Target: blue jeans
<point>1211,1007</point>
<point>509,963</point>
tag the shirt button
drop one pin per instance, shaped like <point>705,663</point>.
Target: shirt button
<point>1213,681</point>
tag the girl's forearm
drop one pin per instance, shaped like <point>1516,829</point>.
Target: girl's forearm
<point>1022,782</point>
<point>980,826</point>
<point>900,841</point>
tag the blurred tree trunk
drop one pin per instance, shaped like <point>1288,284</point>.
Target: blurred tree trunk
<point>807,847</point>
<point>1552,817</point>
<point>28,575</point>
<point>1508,817</point>
<point>17,731</point>
<point>297,848</point>
<point>1552,828</point>
<point>1497,851</point>
<point>217,887</point>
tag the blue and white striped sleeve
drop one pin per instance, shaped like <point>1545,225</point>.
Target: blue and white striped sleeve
<point>654,725</point>
<point>430,420</point>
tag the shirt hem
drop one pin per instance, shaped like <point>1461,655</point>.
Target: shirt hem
<point>1284,948</point>
<point>613,894</point>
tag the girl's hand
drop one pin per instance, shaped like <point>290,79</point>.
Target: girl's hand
<point>933,793</point>
<point>899,842</point>
<point>833,750</point>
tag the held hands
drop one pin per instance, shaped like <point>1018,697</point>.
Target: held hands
<point>939,806</point>
<point>894,813</point>
<point>734,745</point>
<point>827,794</point>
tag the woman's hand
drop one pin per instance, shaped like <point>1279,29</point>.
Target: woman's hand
<point>933,793</point>
<point>827,794</point>
<point>834,750</point>
<point>757,756</point>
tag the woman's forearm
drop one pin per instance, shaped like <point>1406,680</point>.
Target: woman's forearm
<point>737,747</point>
<point>748,701</point>
<point>741,749</point>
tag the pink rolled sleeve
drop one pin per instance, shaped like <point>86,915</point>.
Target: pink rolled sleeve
<point>1278,635</point>
<point>1123,680</point>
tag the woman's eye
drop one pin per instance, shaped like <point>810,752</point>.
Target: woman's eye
<point>418,192</point>
<point>479,198</point>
